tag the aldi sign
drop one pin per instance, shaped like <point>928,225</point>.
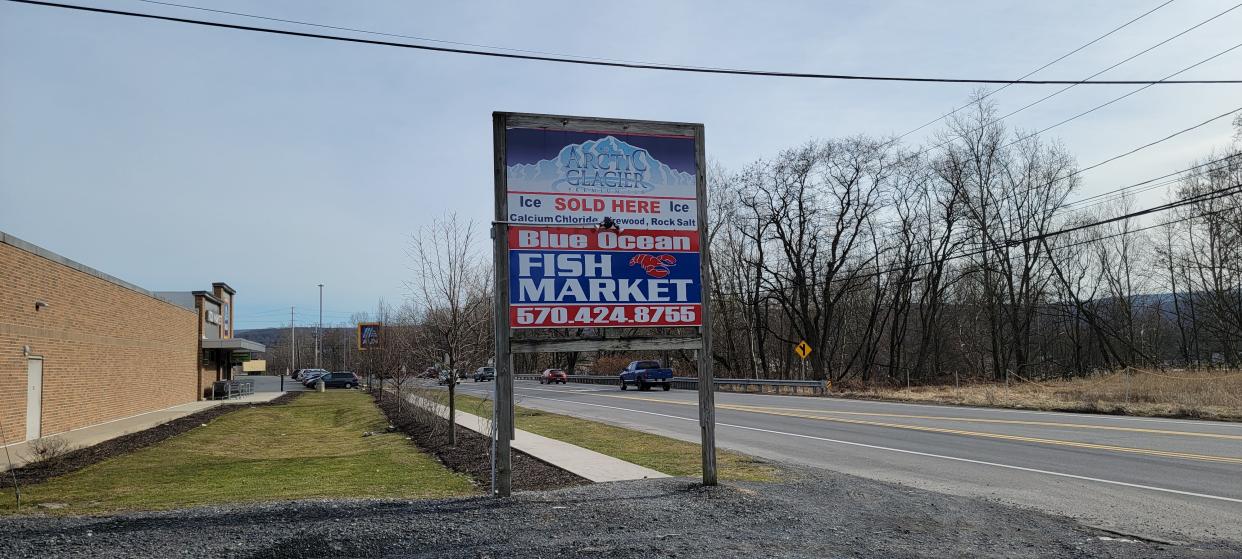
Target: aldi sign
<point>368,335</point>
<point>603,223</point>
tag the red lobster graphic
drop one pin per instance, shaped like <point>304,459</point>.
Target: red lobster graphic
<point>655,266</point>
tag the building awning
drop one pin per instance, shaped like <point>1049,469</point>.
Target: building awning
<point>234,344</point>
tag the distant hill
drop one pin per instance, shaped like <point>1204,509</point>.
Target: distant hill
<point>270,336</point>
<point>265,336</point>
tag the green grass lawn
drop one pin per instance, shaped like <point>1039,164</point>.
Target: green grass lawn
<point>310,448</point>
<point>663,454</point>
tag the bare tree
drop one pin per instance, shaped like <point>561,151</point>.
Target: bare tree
<point>450,301</point>
<point>914,267</point>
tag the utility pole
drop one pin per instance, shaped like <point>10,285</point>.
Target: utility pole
<point>293,342</point>
<point>319,329</point>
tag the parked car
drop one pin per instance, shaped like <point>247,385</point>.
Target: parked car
<point>343,379</point>
<point>551,376</point>
<point>645,374</point>
<point>484,374</point>
<point>446,378</point>
<point>303,374</point>
<point>308,379</point>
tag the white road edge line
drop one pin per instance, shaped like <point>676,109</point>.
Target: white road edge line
<point>1007,410</point>
<point>1103,416</point>
<point>917,453</point>
<point>1084,415</point>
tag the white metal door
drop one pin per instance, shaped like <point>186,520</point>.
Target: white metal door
<point>34,398</point>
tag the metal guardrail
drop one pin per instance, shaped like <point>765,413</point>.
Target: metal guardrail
<point>757,381</point>
<point>809,387</point>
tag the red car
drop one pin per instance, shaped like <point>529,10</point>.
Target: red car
<point>552,376</point>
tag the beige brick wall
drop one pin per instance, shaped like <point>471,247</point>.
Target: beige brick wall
<point>207,374</point>
<point>109,351</point>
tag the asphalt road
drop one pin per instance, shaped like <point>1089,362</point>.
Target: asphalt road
<point>1163,479</point>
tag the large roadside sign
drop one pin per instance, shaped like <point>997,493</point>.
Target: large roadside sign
<point>604,228</point>
<point>599,224</point>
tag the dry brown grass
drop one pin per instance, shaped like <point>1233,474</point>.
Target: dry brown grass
<point>1195,394</point>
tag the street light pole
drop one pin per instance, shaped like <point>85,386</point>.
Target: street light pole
<point>293,342</point>
<point>319,329</point>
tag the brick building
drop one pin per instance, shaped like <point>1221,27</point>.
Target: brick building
<point>79,347</point>
<point>219,352</point>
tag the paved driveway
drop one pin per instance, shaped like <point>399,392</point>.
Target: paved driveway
<point>268,383</point>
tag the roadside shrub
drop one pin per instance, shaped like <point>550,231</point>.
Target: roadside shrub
<point>609,365</point>
<point>47,452</point>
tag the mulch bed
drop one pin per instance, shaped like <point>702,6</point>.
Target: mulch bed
<point>75,460</point>
<point>472,455</point>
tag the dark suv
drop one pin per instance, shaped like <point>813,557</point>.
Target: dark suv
<point>340,380</point>
<point>484,374</point>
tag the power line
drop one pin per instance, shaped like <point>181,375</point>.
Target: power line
<point>1115,99</point>
<point>602,63</point>
<point>636,64</point>
<point>1093,109</point>
<point>1076,172</point>
<point>1132,57</point>
<point>1009,243</point>
<point>1122,191</point>
<point>1035,71</point>
<point>397,35</point>
<point>1204,197</point>
<point>1052,248</point>
<point>1097,107</point>
<point>983,126</point>
<point>1082,170</point>
<point>1093,240</point>
<point>1166,138</point>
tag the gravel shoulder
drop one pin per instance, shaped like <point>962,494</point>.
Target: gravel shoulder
<point>814,514</point>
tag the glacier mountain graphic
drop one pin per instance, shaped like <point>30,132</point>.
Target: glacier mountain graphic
<point>647,174</point>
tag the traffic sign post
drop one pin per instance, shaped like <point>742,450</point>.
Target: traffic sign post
<point>368,338</point>
<point>600,223</point>
<point>803,350</point>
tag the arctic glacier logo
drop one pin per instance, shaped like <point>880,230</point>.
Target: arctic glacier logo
<point>606,165</point>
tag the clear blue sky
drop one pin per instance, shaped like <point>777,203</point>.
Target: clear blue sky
<point>173,156</point>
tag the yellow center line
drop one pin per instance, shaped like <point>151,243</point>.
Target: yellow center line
<point>983,434</point>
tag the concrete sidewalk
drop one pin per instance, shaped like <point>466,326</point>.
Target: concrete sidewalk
<point>95,434</point>
<point>583,462</point>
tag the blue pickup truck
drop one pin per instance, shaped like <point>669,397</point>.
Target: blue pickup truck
<point>645,374</point>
